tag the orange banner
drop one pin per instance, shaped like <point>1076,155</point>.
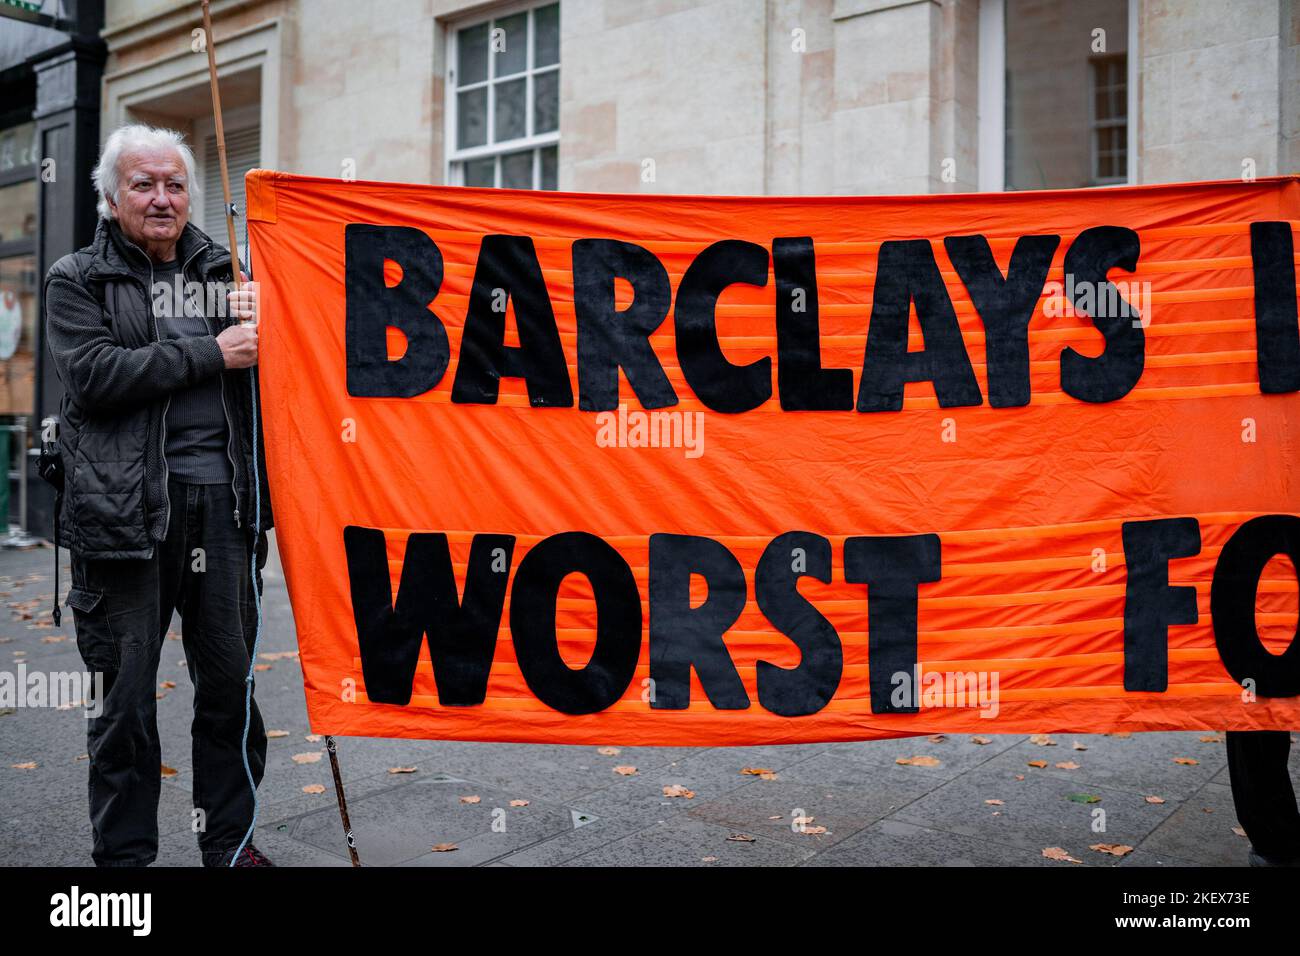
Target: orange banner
<point>580,468</point>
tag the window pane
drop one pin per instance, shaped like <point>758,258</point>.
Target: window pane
<point>517,170</point>
<point>1058,76</point>
<point>546,102</point>
<point>471,118</point>
<point>511,112</point>
<point>510,44</point>
<point>550,171</point>
<point>546,37</point>
<point>18,211</point>
<point>479,172</point>
<point>471,55</point>
<point>17,336</point>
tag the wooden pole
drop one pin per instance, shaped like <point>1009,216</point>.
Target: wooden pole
<point>221,143</point>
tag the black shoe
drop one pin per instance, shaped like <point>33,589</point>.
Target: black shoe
<point>251,856</point>
<point>1258,859</point>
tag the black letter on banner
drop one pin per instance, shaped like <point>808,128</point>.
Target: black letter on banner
<point>682,636</point>
<point>1232,605</point>
<point>608,338</point>
<point>1112,374</point>
<point>372,307</point>
<point>462,636</point>
<point>1005,306</point>
<point>618,623</point>
<point>892,569</point>
<point>805,689</point>
<point>803,384</point>
<point>508,270</point>
<point>1150,604</point>
<point>718,383</point>
<point>1277,332</point>
<point>906,270</point>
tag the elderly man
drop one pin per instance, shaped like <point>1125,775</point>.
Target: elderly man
<point>157,449</point>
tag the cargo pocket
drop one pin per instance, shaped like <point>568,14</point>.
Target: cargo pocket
<point>94,636</point>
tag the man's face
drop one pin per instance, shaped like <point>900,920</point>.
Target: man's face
<point>153,202</point>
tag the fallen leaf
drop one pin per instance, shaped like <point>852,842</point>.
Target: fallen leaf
<point>607,751</point>
<point>1083,798</point>
<point>921,761</point>
<point>169,771</point>
<point>1067,765</point>
<point>708,859</point>
<point>312,738</point>
<point>740,838</point>
<point>1042,740</point>
<point>1079,746</point>
<point>474,798</point>
<point>1114,849</point>
<point>1212,739</point>
<point>83,756</point>
<point>754,771</point>
<point>1038,763</point>
<point>313,788</point>
<point>1020,776</point>
<point>1186,761</point>
<point>1121,734</point>
<point>444,847</point>
<point>173,636</point>
<point>813,830</point>
<point>771,775</point>
<point>29,765</point>
<point>168,684</point>
<point>937,738</point>
<point>261,667</point>
<point>159,696</point>
<point>677,790</point>
<point>402,769</point>
<point>981,740</point>
<point>1057,853</point>
<point>799,821</point>
<point>52,639</point>
<point>1207,809</point>
<point>519,803</point>
<point>995,803</point>
<point>1154,799</point>
<point>312,757</point>
<point>277,733</point>
<point>625,771</point>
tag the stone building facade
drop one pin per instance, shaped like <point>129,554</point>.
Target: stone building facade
<point>728,96</point>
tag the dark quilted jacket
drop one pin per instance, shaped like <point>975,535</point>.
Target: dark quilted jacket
<point>117,375</point>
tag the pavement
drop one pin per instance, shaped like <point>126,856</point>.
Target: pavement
<point>978,802</point>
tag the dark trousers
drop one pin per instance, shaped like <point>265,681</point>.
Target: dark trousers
<point>1262,792</point>
<point>122,610</point>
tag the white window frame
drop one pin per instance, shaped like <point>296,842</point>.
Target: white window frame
<point>992,95</point>
<point>454,158</point>
<point>1095,125</point>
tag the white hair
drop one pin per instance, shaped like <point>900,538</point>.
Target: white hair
<point>107,177</point>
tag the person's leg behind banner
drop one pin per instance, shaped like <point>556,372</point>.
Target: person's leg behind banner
<point>1263,795</point>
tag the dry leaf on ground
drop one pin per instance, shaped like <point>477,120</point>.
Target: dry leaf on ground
<point>921,761</point>
<point>625,771</point>
<point>1057,853</point>
<point>313,788</point>
<point>677,790</point>
<point>1114,849</point>
<point>312,757</point>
